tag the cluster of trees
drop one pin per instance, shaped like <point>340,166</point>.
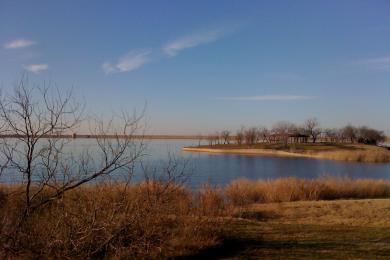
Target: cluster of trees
<point>354,134</point>
<point>244,135</point>
<point>310,130</point>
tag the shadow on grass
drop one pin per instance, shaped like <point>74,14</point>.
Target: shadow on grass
<point>299,241</point>
<point>253,248</point>
<point>229,247</point>
<point>259,215</point>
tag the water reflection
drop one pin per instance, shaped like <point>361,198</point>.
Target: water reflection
<point>222,169</point>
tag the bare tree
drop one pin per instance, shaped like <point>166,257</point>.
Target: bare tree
<point>213,139</point>
<point>33,119</point>
<point>263,133</point>
<point>200,138</point>
<point>250,136</point>
<point>368,135</point>
<point>312,128</point>
<point>282,130</point>
<point>240,136</point>
<point>225,134</point>
<point>217,137</point>
<point>349,132</point>
<point>331,135</point>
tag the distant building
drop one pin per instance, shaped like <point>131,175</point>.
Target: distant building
<point>74,135</point>
<point>290,138</point>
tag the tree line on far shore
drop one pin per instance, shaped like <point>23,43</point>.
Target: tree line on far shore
<point>310,130</point>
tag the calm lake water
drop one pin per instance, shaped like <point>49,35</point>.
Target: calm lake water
<point>220,169</point>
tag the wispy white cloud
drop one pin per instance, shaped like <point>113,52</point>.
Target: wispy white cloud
<point>174,47</point>
<point>137,58</point>
<point>379,63</point>
<point>36,68</point>
<point>20,43</point>
<point>128,62</point>
<point>269,98</point>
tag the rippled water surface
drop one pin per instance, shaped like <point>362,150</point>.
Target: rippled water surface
<point>220,169</point>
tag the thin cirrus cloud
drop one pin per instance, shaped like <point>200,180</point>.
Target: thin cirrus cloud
<point>174,47</point>
<point>269,98</point>
<point>17,44</point>
<point>137,58</point>
<point>36,68</point>
<point>380,63</point>
<point>128,62</point>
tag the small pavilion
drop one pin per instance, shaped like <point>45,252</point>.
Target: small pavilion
<point>291,138</point>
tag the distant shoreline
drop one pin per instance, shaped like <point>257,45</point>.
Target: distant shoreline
<point>371,154</point>
<point>248,151</point>
<point>86,136</point>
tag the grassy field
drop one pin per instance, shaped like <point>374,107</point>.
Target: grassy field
<point>351,229</point>
<point>331,151</point>
<point>286,217</point>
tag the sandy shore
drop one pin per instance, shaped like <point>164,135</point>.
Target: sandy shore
<point>366,156</point>
<point>262,152</point>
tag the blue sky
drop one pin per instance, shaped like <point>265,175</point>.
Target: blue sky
<point>208,65</point>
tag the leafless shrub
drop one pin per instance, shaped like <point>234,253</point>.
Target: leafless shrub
<point>36,123</point>
<point>34,118</point>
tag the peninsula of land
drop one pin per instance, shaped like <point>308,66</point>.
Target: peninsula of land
<point>329,151</point>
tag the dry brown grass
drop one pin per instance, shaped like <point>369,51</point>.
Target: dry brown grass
<point>164,220</point>
<point>337,229</point>
<point>373,156</point>
<point>244,192</point>
<point>148,220</point>
<point>365,212</point>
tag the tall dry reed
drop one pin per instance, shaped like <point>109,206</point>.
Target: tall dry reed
<point>147,220</point>
<point>369,156</point>
<point>150,219</point>
<point>244,191</point>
